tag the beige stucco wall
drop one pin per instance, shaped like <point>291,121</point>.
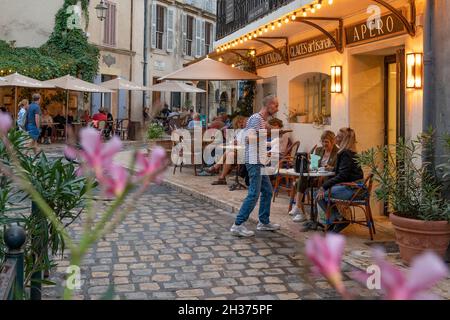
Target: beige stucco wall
<point>29,23</point>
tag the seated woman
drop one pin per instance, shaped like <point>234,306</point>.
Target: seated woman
<point>195,120</point>
<point>347,170</point>
<point>47,126</point>
<point>328,154</point>
<point>227,161</point>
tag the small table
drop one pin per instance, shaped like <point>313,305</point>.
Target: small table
<point>237,185</point>
<point>309,175</point>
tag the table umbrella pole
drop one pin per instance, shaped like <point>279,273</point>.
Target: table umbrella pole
<point>15,103</point>
<point>207,102</point>
<point>67,113</point>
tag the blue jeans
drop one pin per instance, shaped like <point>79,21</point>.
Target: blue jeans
<point>337,192</point>
<point>259,184</point>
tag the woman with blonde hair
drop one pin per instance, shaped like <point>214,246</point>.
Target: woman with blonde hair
<point>347,170</point>
<point>21,117</point>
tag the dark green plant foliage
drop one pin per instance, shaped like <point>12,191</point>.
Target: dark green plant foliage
<point>245,105</point>
<point>66,52</point>
<point>61,188</point>
<point>155,131</point>
<point>411,190</point>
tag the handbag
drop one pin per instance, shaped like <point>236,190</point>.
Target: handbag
<point>301,162</point>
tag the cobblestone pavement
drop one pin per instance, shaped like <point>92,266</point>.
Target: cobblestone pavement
<point>176,247</point>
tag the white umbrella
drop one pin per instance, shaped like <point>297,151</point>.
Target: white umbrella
<point>175,87</point>
<point>17,80</point>
<point>123,84</point>
<point>70,83</point>
<point>2,79</point>
<point>210,70</point>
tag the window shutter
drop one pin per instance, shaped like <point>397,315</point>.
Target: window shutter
<point>170,22</point>
<point>153,32</point>
<point>183,32</point>
<point>203,51</point>
<point>213,36</point>
<point>113,24</point>
<point>165,28</point>
<point>198,37</point>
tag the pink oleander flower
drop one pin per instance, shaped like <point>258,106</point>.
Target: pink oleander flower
<point>146,166</point>
<point>5,123</point>
<point>326,255</point>
<point>426,270</point>
<point>115,183</point>
<point>70,153</point>
<point>98,156</point>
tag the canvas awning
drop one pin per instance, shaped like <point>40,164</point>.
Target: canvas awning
<point>18,80</point>
<point>74,84</point>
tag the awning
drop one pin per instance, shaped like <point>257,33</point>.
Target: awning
<point>74,84</point>
<point>175,87</point>
<point>18,80</point>
<point>123,84</point>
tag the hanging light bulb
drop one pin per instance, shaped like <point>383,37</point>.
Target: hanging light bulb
<point>279,24</point>
<point>330,2</point>
<point>250,36</point>
<point>245,38</point>
<point>319,4</point>
<point>233,65</point>
<point>313,9</point>
<point>220,59</point>
<point>294,16</point>
<point>304,12</point>
<point>266,29</point>
<point>286,20</point>
<point>260,32</point>
<point>273,26</point>
<point>241,41</point>
<point>255,34</point>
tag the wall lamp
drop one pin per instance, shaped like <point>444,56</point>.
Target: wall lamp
<point>414,70</point>
<point>336,79</point>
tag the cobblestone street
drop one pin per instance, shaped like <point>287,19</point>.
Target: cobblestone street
<point>173,246</point>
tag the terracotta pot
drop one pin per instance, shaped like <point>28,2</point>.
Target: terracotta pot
<point>416,236</point>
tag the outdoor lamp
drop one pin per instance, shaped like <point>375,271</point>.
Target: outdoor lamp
<point>414,70</point>
<point>101,10</point>
<point>336,79</point>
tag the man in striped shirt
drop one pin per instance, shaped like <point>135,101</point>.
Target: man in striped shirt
<point>259,183</point>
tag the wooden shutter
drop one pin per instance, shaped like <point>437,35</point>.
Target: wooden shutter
<point>184,32</point>
<point>153,27</point>
<point>203,51</point>
<point>170,28</point>
<point>198,37</point>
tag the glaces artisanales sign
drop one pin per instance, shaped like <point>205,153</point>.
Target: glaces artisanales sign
<point>386,26</point>
<point>297,50</point>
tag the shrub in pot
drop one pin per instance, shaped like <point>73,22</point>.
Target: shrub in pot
<point>155,134</point>
<point>412,191</point>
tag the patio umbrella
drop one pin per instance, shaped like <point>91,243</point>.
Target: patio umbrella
<point>17,80</point>
<point>210,70</point>
<point>70,83</point>
<point>122,84</point>
<point>175,87</point>
<point>2,79</point>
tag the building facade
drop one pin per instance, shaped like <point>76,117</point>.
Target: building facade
<point>118,37</point>
<point>334,64</point>
<point>180,32</point>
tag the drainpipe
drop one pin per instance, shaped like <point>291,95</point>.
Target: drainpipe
<point>130,95</point>
<point>145,81</point>
<point>429,103</point>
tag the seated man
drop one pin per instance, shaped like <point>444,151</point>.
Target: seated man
<point>99,116</point>
<point>60,121</point>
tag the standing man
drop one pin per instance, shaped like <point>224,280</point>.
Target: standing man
<point>34,121</point>
<point>259,183</point>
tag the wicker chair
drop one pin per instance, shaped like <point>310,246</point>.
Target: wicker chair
<point>286,162</point>
<point>360,200</point>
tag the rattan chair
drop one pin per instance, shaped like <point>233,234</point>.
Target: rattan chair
<point>286,162</point>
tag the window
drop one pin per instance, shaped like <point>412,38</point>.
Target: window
<point>189,35</point>
<point>310,99</point>
<point>109,32</point>
<point>156,96</point>
<point>160,27</point>
<point>208,37</point>
<point>175,99</point>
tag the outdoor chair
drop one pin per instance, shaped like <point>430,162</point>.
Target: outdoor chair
<point>60,133</point>
<point>102,128</point>
<point>122,129</point>
<point>347,208</point>
<point>287,162</point>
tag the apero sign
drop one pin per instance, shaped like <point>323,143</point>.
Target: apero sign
<point>383,27</point>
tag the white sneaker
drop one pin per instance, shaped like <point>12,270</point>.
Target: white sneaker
<point>300,217</point>
<point>241,231</point>
<point>295,211</point>
<point>267,227</point>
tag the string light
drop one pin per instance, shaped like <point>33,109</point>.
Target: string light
<point>266,29</point>
<point>286,20</point>
<point>233,65</point>
<point>273,26</point>
<point>313,9</point>
<point>241,41</point>
<point>260,32</point>
<point>319,4</point>
<point>294,16</point>
<point>304,12</point>
<point>330,2</point>
<point>220,59</point>
<point>279,24</point>
<point>255,35</point>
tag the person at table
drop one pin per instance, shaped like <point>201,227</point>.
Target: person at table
<point>347,170</point>
<point>59,121</point>
<point>70,119</point>
<point>328,154</point>
<point>260,186</point>
<point>47,126</point>
<point>194,122</point>
<point>99,116</point>
<point>109,124</point>
<point>86,118</point>
<point>227,161</point>
<point>22,115</point>
<point>278,145</point>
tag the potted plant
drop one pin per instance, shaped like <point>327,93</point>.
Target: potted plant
<point>412,191</point>
<point>155,135</point>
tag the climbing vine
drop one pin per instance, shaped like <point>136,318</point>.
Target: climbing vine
<point>245,104</point>
<point>67,51</point>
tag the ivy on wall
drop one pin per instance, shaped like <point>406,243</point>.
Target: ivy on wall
<point>67,51</point>
<point>245,104</point>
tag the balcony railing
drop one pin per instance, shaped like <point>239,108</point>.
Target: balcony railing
<point>233,15</point>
